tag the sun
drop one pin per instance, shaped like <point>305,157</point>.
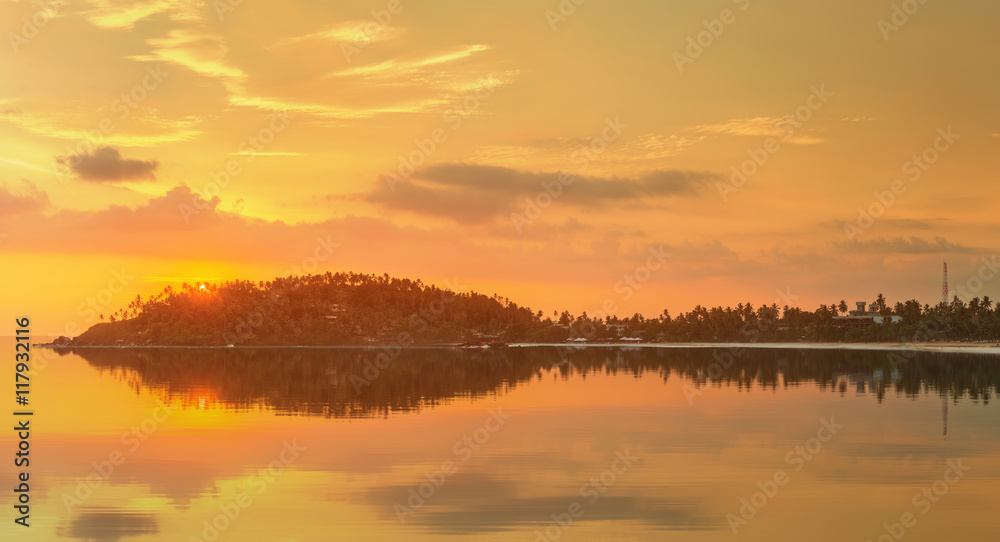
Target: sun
<point>203,287</point>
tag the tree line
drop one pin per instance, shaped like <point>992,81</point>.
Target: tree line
<point>358,309</point>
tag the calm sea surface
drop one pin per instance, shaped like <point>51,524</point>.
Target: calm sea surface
<point>518,444</point>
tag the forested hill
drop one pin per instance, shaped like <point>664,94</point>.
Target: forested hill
<point>329,309</point>
<point>358,309</point>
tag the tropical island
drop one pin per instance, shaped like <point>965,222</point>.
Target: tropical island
<point>351,309</point>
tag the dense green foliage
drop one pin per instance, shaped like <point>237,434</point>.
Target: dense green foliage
<point>329,309</point>
<point>978,320</point>
<point>357,309</point>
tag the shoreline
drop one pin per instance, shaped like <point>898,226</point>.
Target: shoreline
<point>975,348</point>
<point>949,347</point>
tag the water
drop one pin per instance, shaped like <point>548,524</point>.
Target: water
<point>525,444</point>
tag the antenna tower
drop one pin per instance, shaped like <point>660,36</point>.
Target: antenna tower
<point>944,286</point>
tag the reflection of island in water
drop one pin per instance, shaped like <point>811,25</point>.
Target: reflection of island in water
<point>373,382</point>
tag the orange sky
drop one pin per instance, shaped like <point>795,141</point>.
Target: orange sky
<point>118,121</point>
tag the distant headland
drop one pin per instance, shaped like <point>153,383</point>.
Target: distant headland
<point>351,309</point>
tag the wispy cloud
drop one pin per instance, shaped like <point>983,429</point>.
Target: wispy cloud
<point>73,122</point>
<point>654,146</point>
<point>347,31</point>
<point>390,87</point>
<point>196,50</point>
<point>912,245</point>
<point>645,151</point>
<point>26,165</point>
<point>122,15</point>
<point>255,153</point>
<point>805,140</point>
<point>752,126</point>
<point>400,68</point>
<point>333,111</point>
<point>766,126</point>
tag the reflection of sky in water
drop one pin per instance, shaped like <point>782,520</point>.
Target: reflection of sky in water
<point>234,419</point>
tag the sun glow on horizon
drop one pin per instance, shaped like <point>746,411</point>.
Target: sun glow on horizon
<point>478,123</point>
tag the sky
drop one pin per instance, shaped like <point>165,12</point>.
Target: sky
<point>633,155</point>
